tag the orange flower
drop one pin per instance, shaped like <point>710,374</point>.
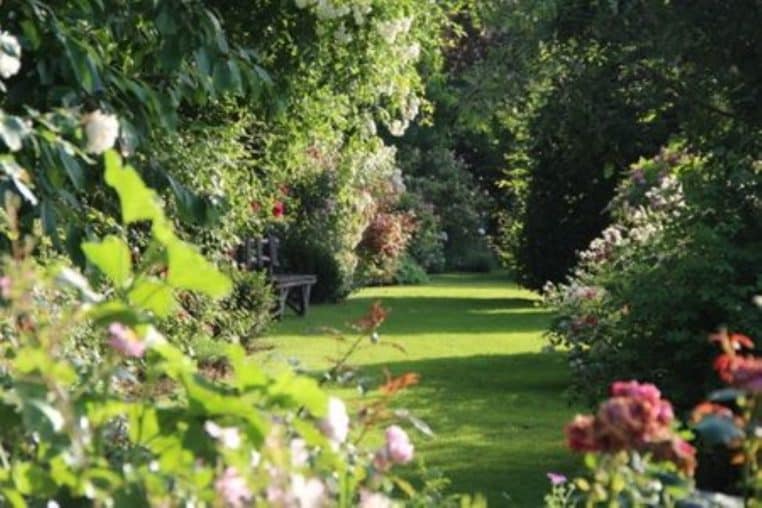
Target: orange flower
<point>710,408</point>
<point>375,316</point>
<point>732,342</point>
<point>394,385</point>
<point>743,372</point>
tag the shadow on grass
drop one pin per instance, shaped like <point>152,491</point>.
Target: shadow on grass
<point>432,315</point>
<point>500,419</point>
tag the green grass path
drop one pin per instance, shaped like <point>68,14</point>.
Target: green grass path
<point>493,399</point>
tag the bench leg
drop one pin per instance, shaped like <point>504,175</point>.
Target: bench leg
<point>306,290</point>
<point>282,300</point>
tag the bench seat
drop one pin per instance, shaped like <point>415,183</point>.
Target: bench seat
<point>293,291</point>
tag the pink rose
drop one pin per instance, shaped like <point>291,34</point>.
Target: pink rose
<point>125,341</point>
<point>398,445</point>
<point>232,488</point>
<point>637,390</point>
<point>5,286</point>
<point>556,478</point>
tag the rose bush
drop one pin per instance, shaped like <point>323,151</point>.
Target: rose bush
<point>678,262</point>
<point>138,422</point>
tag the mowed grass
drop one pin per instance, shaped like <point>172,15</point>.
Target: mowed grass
<point>493,399</point>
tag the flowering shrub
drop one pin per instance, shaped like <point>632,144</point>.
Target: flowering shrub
<point>383,246</point>
<point>141,425</point>
<point>676,264</point>
<point>731,416</point>
<point>634,455</point>
<point>635,418</point>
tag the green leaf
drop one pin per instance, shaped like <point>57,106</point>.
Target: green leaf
<point>203,61</point>
<point>48,220</point>
<point>61,471</point>
<point>13,130</point>
<point>109,312</point>
<point>227,76</point>
<point>138,201</point>
<point>143,424</point>
<point>295,390</point>
<point>73,169</point>
<point>112,257</point>
<point>190,207</point>
<point>165,22</point>
<point>41,417</point>
<point>13,498</point>
<point>154,296</point>
<point>190,270</point>
<point>31,34</point>
<point>726,395</point>
<point>246,372</point>
<point>31,479</point>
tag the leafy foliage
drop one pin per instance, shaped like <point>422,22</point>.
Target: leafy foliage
<point>76,431</point>
<point>678,263</point>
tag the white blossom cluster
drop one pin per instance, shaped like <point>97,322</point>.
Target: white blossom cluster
<point>398,182</point>
<point>603,247</point>
<point>327,10</point>
<point>379,163</point>
<point>102,131</point>
<point>410,110</point>
<point>667,196</point>
<point>10,55</point>
<point>391,30</point>
<point>664,203</point>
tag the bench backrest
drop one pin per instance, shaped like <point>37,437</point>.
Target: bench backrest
<point>261,253</point>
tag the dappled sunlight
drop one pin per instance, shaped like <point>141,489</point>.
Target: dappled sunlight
<point>486,390</point>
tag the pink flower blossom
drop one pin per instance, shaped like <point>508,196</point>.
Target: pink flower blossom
<point>398,445</point>
<point>232,488</point>
<point>125,341</point>
<point>5,286</point>
<point>299,452</point>
<point>336,423</point>
<point>556,478</point>
<point>637,390</point>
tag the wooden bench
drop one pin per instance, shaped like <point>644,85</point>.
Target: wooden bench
<point>292,290</point>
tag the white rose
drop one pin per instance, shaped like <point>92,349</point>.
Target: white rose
<point>228,436</point>
<point>336,423</point>
<point>398,127</point>
<point>309,493</point>
<point>374,500</point>
<point>10,55</point>
<point>102,130</point>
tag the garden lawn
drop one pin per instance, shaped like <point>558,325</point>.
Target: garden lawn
<point>493,399</point>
